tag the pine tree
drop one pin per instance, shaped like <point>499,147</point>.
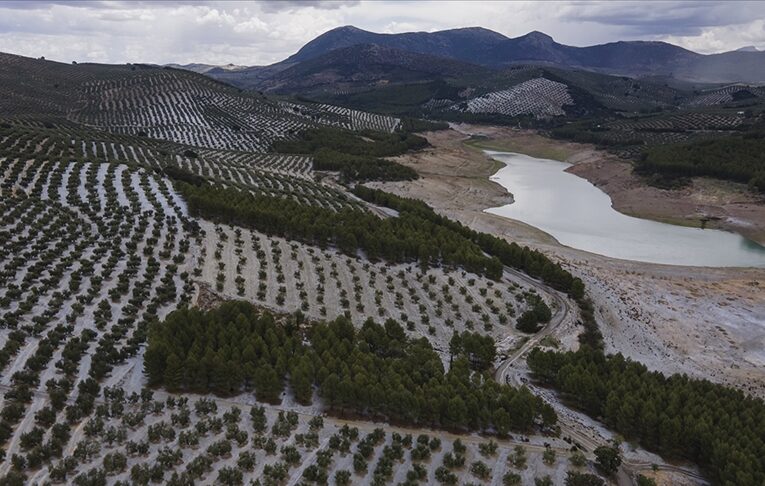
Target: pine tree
<point>173,376</point>
<point>154,362</point>
<point>268,385</point>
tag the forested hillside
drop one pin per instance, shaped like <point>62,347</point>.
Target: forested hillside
<point>719,428</point>
<point>738,158</point>
<point>356,156</point>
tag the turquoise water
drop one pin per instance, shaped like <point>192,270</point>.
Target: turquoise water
<point>579,215</point>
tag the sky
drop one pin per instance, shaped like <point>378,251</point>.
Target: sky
<point>259,33</point>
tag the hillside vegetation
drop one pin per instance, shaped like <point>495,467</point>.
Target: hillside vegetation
<point>417,233</point>
<point>163,103</point>
<point>738,158</point>
<point>718,428</point>
<point>356,156</point>
<point>375,370</point>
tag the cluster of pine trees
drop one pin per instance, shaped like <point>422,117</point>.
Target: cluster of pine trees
<point>416,234</point>
<point>410,125</point>
<point>357,156</point>
<point>592,132</point>
<point>178,174</point>
<point>375,371</point>
<point>361,168</point>
<point>531,320</point>
<point>736,158</point>
<point>407,237</point>
<point>368,143</point>
<point>719,428</point>
<point>479,350</point>
<point>530,261</point>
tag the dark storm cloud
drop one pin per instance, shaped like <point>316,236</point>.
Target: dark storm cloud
<point>678,18</point>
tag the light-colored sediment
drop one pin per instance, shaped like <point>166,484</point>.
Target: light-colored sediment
<point>707,322</point>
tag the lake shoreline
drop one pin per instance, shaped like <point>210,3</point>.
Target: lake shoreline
<point>580,215</point>
<point>705,202</point>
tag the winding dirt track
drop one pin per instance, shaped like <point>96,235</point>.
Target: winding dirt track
<point>505,373</point>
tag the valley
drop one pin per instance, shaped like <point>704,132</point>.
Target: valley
<point>308,273</point>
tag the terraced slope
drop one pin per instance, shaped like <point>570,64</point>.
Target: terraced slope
<point>99,245</point>
<point>162,103</point>
<point>727,94</point>
<point>539,97</point>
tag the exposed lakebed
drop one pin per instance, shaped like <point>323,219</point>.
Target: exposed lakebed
<point>580,215</point>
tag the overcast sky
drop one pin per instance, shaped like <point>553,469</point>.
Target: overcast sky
<point>253,33</point>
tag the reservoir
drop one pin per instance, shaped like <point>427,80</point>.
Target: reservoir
<point>579,215</point>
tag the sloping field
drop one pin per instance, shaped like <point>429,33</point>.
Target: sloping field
<point>164,104</point>
<point>539,97</point>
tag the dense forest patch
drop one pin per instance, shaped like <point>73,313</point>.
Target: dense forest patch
<point>357,156</point>
<point>735,158</point>
<point>369,143</point>
<point>361,168</point>
<point>719,428</point>
<point>374,371</point>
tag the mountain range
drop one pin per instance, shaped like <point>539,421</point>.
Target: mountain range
<point>349,54</point>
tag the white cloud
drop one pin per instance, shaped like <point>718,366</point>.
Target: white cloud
<point>717,39</point>
<point>262,33</point>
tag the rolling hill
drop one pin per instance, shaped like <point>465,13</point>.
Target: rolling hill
<point>162,103</point>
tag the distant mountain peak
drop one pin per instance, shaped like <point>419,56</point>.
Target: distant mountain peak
<point>346,28</point>
<point>483,31</point>
<point>538,36</point>
<point>747,49</point>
